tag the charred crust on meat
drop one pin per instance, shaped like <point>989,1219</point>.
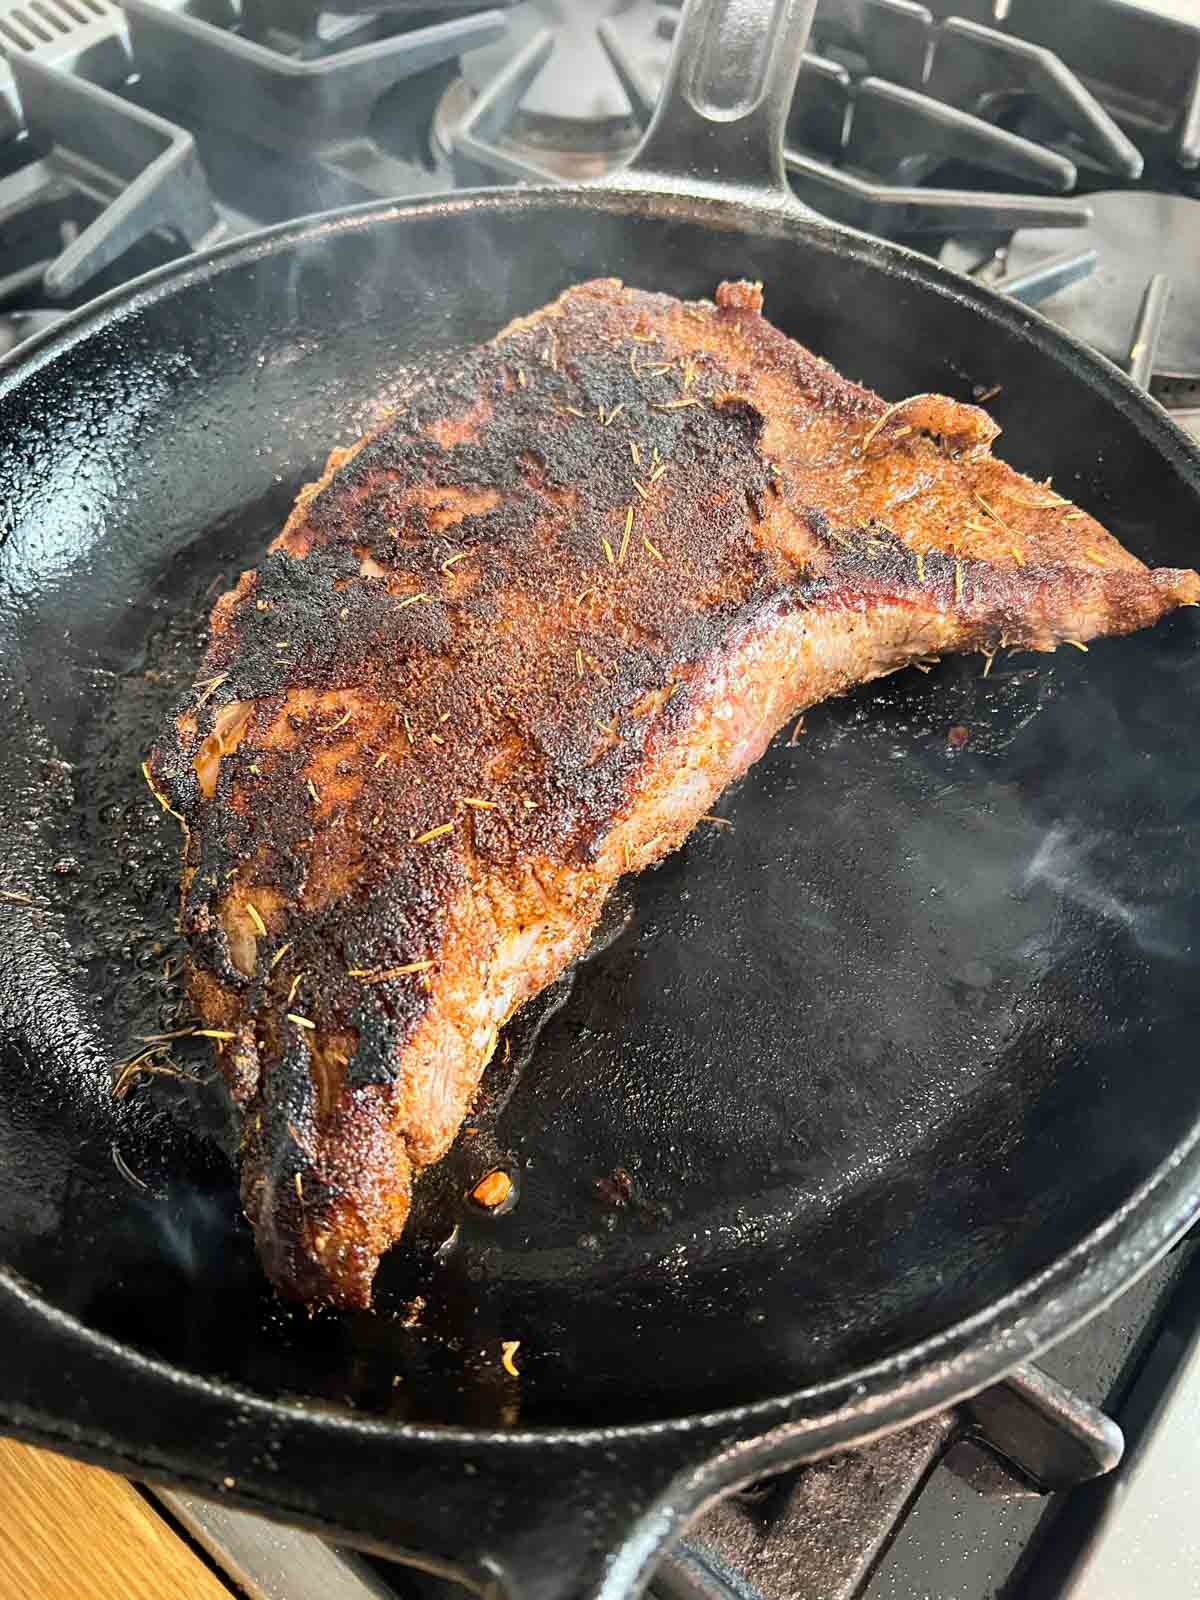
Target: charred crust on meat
<point>458,662</point>
<point>516,704</point>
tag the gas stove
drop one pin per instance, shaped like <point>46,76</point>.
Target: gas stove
<point>1052,150</point>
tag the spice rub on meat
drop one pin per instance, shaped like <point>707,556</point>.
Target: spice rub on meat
<point>513,645</point>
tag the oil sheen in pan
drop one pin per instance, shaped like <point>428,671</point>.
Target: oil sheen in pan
<point>884,857</point>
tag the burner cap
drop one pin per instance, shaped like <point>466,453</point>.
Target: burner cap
<point>574,120</point>
<point>578,83</point>
<point>1136,234</point>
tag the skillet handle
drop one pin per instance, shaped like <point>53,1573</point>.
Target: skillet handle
<point>720,119</point>
<point>597,1529</point>
<point>594,1534</point>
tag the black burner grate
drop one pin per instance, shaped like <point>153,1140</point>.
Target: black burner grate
<point>890,91</point>
<point>296,104</point>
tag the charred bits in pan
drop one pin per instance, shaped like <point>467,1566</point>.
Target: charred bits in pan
<point>496,1193</point>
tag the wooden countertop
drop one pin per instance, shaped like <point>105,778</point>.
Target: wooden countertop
<point>70,1532</point>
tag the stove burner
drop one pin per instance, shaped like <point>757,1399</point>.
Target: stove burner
<point>1135,234</point>
<point>820,1530</point>
<point>140,173</point>
<point>91,171</point>
<point>863,143</point>
<point>300,105</point>
<point>578,83</point>
<point>336,102</point>
<point>1142,59</point>
<point>566,149</point>
<point>522,111</point>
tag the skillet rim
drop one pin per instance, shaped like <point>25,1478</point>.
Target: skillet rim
<point>918,1379</point>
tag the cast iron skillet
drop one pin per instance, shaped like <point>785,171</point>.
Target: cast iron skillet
<point>855,1106</point>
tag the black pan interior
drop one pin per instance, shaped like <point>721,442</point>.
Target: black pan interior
<point>834,1078</point>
